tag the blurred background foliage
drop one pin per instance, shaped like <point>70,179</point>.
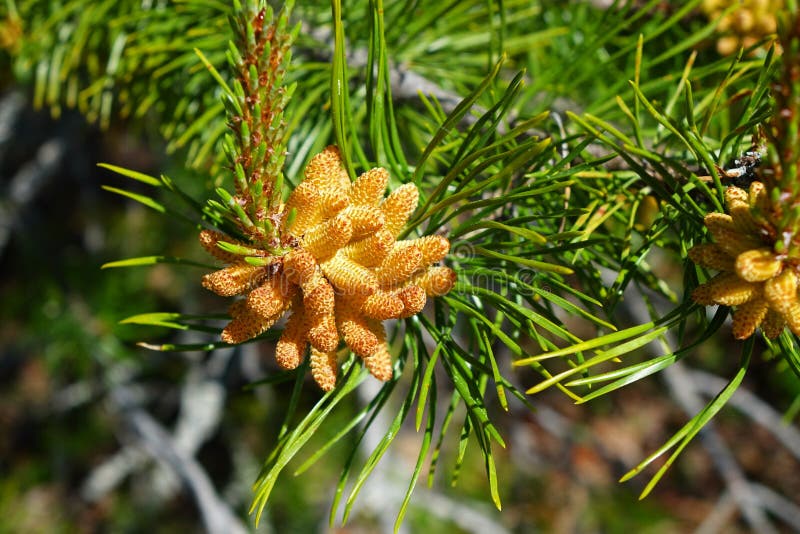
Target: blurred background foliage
<point>119,82</point>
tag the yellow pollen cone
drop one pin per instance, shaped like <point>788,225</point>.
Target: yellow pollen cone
<point>757,265</point>
<point>324,368</point>
<point>368,189</point>
<point>747,317</point>
<point>781,291</point>
<point>234,279</point>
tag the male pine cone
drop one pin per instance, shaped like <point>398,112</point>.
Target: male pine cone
<point>761,284</point>
<point>343,275</point>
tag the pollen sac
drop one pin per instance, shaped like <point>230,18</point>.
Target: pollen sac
<point>413,298</point>
<point>735,196</point>
<point>304,201</point>
<point>366,220</point>
<point>379,364</point>
<point>368,189</point>
<point>349,277</point>
<point>235,279</point>
<point>433,247</point>
<point>299,266</point>
<point>757,265</point>
<point>711,256</point>
<point>323,335</point>
<point>401,263</point>
<point>436,281</point>
<point>292,343</point>
<point>324,368</point>
<point>773,324</point>
<point>399,206</point>
<point>702,295</point>
<point>246,324</point>
<point>383,305</point>
<point>318,298</point>
<point>325,170</point>
<point>325,239</point>
<point>730,290</point>
<point>271,298</point>
<point>736,200</point>
<point>727,236</point>
<point>759,203</point>
<point>781,291</point>
<point>747,317</point>
<point>358,335</point>
<point>331,202</point>
<point>371,251</point>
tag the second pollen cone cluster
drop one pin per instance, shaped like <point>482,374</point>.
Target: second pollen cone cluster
<point>761,284</point>
<point>344,273</point>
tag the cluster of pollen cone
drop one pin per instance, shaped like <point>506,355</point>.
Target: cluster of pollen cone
<point>343,274</point>
<point>760,284</point>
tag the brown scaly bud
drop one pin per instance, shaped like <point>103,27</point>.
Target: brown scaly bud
<point>436,281</point>
<point>292,343</point>
<point>324,368</point>
<point>368,189</point>
<point>399,206</point>
<point>209,240</point>
<point>235,279</point>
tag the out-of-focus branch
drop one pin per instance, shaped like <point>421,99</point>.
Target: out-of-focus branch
<point>754,408</point>
<point>26,183</point>
<point>201,405</point>
<point>679,380</point>
<point>217,516</point>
